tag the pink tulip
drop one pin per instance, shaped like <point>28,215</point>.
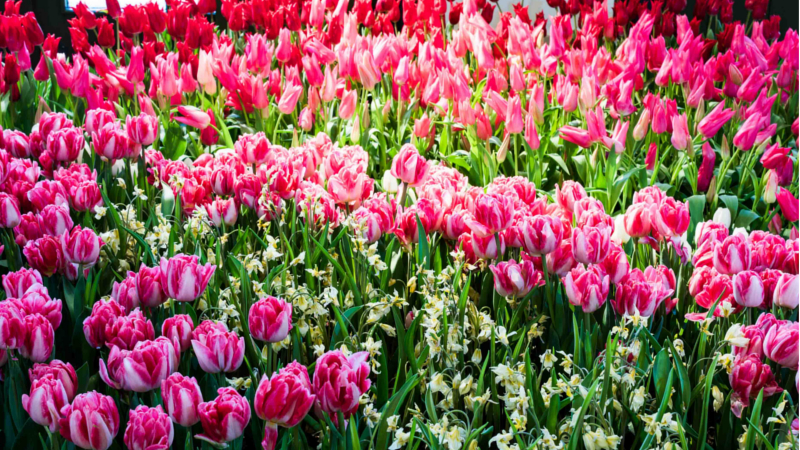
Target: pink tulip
<point>671,218</point>
<point>96,119</point>
<point>422,126</point>
<point>94,326</point>
<point>225,418</point>
<point>270,319</point>
<point>148,429</point>
<point>350,186</point>
<point>746,136</point>
<point>181,396</point>
<point>193,116</point>
<point>284,400</point>
<point>512,279</point>
<point>44,254</point>
<point>148,286</point>
<point>81,246</point>
<point>183,278</point>
<point>178,328</point>
<point>252,148</point>
<point>680,138</point>
<point>111,142</point>
<point>748,377</point>
<point>789,204</point>
<point>368,224</point>
<point>638,219</point>
<point>126,293</point>
<point>289,97</point>
<point>561,260</point>
<point>348,105</point>
<point>787,291</point>
<point>367,70</point>
<point>587,287</point>
<point>514,123</point>
<point>38,301</point>
<point>541,234</point>
<point>339,382</point>
<point>748,289</point>
<point>16,143</point>
<point>616,264</point>
<point>217,349</point>
<point>10,216</point>
<point>38,338</point>
<point>715,120</point>
<point>732,255</point>
<point>142,129</point>
<point>90,422</point>
<point>569,193</point>
<point>66,144</point>
<point>16,284</point>
<point>781,343</point>
<point>58,370</point>
<point>127,331</point>
<point>577,136</point>
<point>638,294</point>
<point>141,369</point>
<point>755,344</point>
<point>47,397</point>
<point>590,244</point>
<point>51,122</point>
<point>491,214</point>
<point>222,211</point>
<point>409,166</point>
<point>12,328</point>
<point>486,247</point>
<point>55,220</point>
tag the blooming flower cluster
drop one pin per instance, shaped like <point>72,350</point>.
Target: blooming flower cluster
<point>400,223</point>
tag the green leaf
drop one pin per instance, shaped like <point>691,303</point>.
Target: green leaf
<point>423,248</point>
<point>755,421</point>
<point>697,204</point>
<point>703,429</point>
<point>661,410</point>
<point>683,376</point>
<point>745,218</point>
<point>573,443</point>
<point>662,369</point>
<point>731,202</point>
<point>392,408</point>
<point>560,161</point>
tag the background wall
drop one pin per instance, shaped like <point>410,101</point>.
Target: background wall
<point>52,14</point>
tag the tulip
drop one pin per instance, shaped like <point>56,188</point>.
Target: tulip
<point>638,295</point>
<point>37,338</point>
<point>747,378</point>
<point>178,328</point>
<point>96,119</point>
<point>680,138</point>
<point>37,301</point>
<point>350,185</point>
<point>514,123</point>
<point>577,136</point>
<point>748,289</point>
<point>486,247</point>
<point>732,255</point>
<point>142,129</point>
<point>47,397</point>
<point>44,255</point>
<point>787,291</point>
<point>16,284</point>
<point>252,148</point>
<point>127,331</point>
<point>512,279</point>
<point>569,193</point>
<point>781,343</point>
<point>126,293</point>
<point>492,214</point>
<point>217,350</point>
<point>94,326</point>
<point>755,340</point>
<point>671,218</point>
<point>409,166</point>
<point>66,144</point>
<point>289,97</point>
<point>141,369</point>
<point>148,429</point>
<point>16,143</point>
<point>284,400</point>
<point>587,287</point>
<point>194,117</point>
<point>706,170</point>
<point>541,234</point>
<point>91,421</point>
<point>789,204</point>
<point>638,220</point>
<point>51,122</point>
<point>225,418</point>
<point>81,246</point>
<point>183,278</point>
<point>10,216</point>
<point>270,319</point>
<point>58,370</point>
<point>422,126</point>
<point>590,244</point>
<point>222,211</point>
<point>55,220</point>
<point>715,120</point>
<point>181,396</point>
<point>339,382</point>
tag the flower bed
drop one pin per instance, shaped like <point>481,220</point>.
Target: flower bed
<point>400,226</point>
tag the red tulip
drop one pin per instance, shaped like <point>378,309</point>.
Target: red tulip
<point>224,418</point>
<point>148,429</point>
<point>181,396</point>
<point>91,421</point>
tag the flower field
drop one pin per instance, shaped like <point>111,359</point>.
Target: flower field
<point>401,224</point>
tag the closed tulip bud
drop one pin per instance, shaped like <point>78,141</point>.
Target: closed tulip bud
<point>587,287</point>
<point>748,289</point>
<point>183,278</point>
<point>81,246</point>
<point>732,255</point>
<point>141,369</point>
<point>193,116</point>
<point>787,291</point>
<point>541,234</point>
<point>178,328</point>
<point>217,349</point>
<point>225,418</point>
<point>181,396</point>
<point>781,343</point>
<point>47,397</point>
<point>512,279</point>
<point>409,166</point>
<point>10,216</point>
<point>283,400</point>
<point>270,319</point>
<point>339,382</point>
<point>12,328</point>
<point>58,370</point>
<point>148,429</point>
<point>38,338</point>
<point>289,97</point>
<point>90,422</point>
<point>126,293</point>
<point>788,203</point>
<point>747,378</point>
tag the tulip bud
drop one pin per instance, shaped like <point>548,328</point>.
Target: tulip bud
<point>91,421</point>
<point>225,418</point>
<point>270,319</point>
<point>284,400</point>
<point>148,428</point>
<point>339,382</point>
<point>181,396</point>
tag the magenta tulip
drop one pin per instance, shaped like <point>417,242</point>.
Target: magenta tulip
<point>270,319</point>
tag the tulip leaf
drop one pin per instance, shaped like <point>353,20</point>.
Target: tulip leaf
<point>573,443</point>
<point>731,202</point>
<point>683,376</point>
<point>745,218</point>
<point>755,421</point>
<point>661,409</point>
<point>697,204</point>
<point>391,409</point>
<point>28,436</point>
<point>709,381</point>
<point>661,370</point>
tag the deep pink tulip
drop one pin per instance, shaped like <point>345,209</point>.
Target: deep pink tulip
<point>339,382</point>
<point>81,246</point>
<point>732,255</point>
<point>486,247</point>
<point>37,301</point>
<point>569,193</point>
<point>44,255</point>
<point>10,216</point>
<point>111,142</point>
<point>755,345</point>
<point>59,370</point>
<point>126,293</point>
<point>541,234</point>
<point>91,421</point>
<point>789,204</point>
<point>671,218</point>
<point>55,220</point>
<point>781,343</point>
<point>47,397</point>
<point>787,291</point>
<point>616,264</point>
<point>748,289</point>
<point>142,130</point>
<point>491,214</point>
<point>94,326</point>
<point>409,166</point>
<point>127,331</point>
<point>12,328</point>
<point>561,260</point>
<point>715,120</point>
<point>224,418</point>
<point>141,369</point>
<point>270,319</point>
<point>590,244</point>
<point>283,400</point>
<point>16,143</point>
<point>183,278</point>
<point>51,122</point>
<point>748,377</point>
<point>512,279</point>
<point>16,284</point>
<point>66,144</point>
<point>181,396</point>
<point>638,294</point>
<point>178,328</point>
<point>587,287</point>
<point>148,429</point>
<point>252,148</point>
<point>38,338</point>
<point>217,349</point>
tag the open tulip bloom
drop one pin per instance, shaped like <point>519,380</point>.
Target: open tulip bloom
<point>400,224</point>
